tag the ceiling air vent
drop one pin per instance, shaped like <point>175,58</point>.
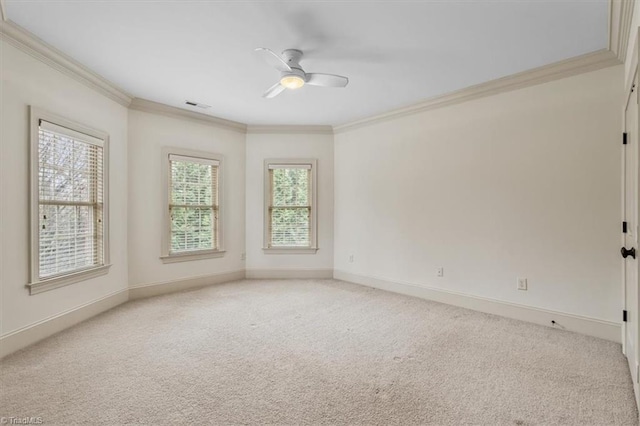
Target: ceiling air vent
<point>195,104</point>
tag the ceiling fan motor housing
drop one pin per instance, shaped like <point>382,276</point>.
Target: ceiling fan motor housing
<point>293,57</point>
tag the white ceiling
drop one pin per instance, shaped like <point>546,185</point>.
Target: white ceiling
<point>395,53</point>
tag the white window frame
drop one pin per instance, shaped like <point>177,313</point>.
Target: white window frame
<point>166,255</point>
<point>36,285</point>
<point>313,237</point>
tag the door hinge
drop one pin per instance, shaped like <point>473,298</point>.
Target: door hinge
<point>624,316</point>
<point>624,227</point>
<point>624,138</point>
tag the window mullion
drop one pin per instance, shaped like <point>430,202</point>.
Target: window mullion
<point>195,206</point>
<point>66,203</point>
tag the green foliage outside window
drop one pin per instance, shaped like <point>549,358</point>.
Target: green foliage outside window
<point>290,212</point>
<point>194,209</point>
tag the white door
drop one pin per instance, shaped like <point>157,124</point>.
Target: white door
<point>630,237</point>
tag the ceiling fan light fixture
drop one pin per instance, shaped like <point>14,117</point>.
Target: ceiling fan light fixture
<point>292,76</point>
<point>292,81</point>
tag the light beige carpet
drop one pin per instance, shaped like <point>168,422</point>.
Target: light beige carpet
<point>314,352</point>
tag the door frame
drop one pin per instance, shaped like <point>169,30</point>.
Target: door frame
<point>623,186</point>
<point>628,97</point>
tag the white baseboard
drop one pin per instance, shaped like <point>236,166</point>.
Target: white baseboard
<point>584,325</point>
<point>40,330</point>
<point>33,333</point>
<point>155,289</point>
<point>268,274</point>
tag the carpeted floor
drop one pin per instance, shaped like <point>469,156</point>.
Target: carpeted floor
<point>314,352</point>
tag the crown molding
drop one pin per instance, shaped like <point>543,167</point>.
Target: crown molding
<point>33,46</point>
<point>566,68</point>
<point>620,17</point>
<point>293,130</point>
<point>145,105</point>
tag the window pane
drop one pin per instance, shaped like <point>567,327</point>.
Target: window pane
<point>290,213</point>
<point>68,169</point>
<point>290,187</point>
<point>193,206</point>
<point>193,228</point>
<point>290,227</point>
<point>70,196</point>
<point>192,183</point>
<point>67,240</point>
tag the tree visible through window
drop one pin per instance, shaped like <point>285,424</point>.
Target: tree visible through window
<point>193,204</point>
<point>70,201</point>
<point>290,213</point>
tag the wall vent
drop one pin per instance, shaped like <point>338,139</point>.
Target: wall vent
<point>195,104</point>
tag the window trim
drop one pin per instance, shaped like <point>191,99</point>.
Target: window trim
<point>36,285</point>
<point>313,237</point>
<point>166,256</point>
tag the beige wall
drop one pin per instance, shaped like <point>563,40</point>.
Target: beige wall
<point>27,81</point>
<point>148,133</point>
<point>521,184</point>
<point>261,146</point>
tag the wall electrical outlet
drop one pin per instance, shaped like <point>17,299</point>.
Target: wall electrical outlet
<point>522,283</point>
<point>351,258</point>
<point>440,272</point>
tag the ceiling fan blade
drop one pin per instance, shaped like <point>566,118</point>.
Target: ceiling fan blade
<point>273,91</point>
<point>273,59</point>
<point>327,80</point>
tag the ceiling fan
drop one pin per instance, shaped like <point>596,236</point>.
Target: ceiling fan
<point>292,76</point>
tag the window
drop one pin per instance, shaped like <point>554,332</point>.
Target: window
<point>290,207</point>
<point>192,205</point>
<point>68,202</point>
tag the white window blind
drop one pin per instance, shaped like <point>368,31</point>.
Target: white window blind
<point>70,201</point>
<point>193,204</point>
<point>290,205</point>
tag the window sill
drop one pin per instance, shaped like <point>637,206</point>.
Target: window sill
<point>290,250</point>
<point>63,280</point>
<point>197,255</point>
